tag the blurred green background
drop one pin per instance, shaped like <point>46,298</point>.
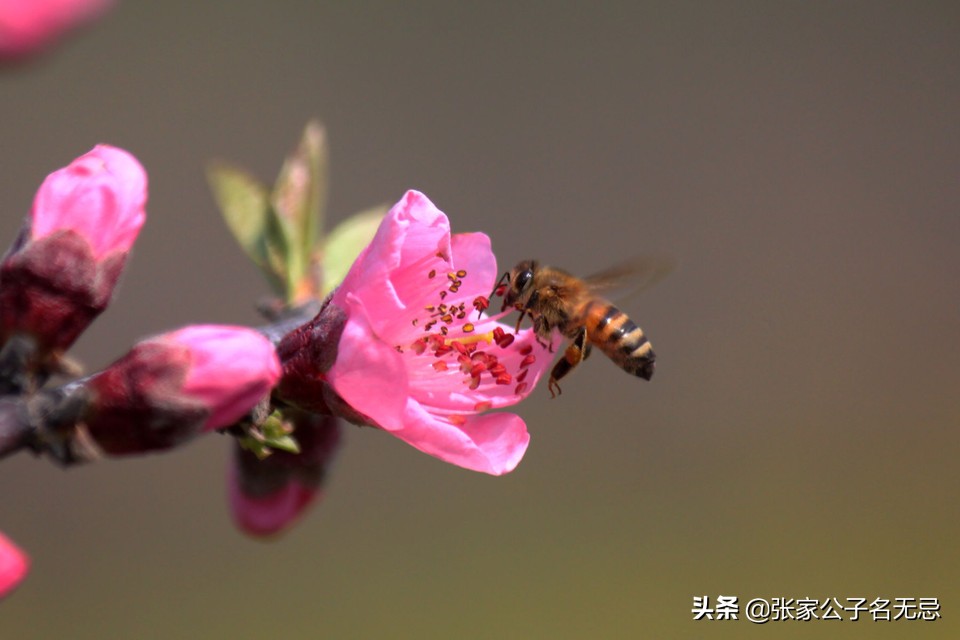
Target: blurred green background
<point>799,160</point>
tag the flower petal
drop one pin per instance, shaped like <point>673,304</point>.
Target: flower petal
<point>492,443</point>
<point>369,374</point>
<point>408,242</point>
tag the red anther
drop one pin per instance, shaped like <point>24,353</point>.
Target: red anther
<point>460,347</point>
<point>440,365</point>
<point>480,303</point>
<point>475,382</point>
<point>504,378</point>
<point>520,388</point>
<point>498,333</point>
<point>522,375</point>
<point>497,370</point>
<point>442,350</point>
<point>414,322</point>
<point>432,274</point>
<point>483,406</point>
<point>527,361</point>
<point>499,291</point>
<point>419,346</point>
<point>477,369</point>
<point>527,350</point>
<point>457,420</point>
<point>504,340</point>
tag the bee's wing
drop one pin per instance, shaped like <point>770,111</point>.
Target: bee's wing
<point>631,276</point>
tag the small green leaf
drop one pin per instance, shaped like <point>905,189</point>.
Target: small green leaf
<point>275,433</point>
<point>284,443</point>
<point>244,203</point>
<point>298,198</point>
<point>342,246</point>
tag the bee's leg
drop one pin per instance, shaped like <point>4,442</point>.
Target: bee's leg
<point>523,312</point>
<point>578,350</point>
<point>542,332</point>
<point>525,309</point>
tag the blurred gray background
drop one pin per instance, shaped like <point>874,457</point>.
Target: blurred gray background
<point>799,160</point>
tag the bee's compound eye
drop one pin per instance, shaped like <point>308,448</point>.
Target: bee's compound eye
<point>523,279</point>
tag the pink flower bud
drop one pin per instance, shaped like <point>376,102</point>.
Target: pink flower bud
<point>62,271</point>
<point>100,196</point>
<point>172,387</point>
<point>29,25</point>
<point>14,565</point>
<point>268,496</point>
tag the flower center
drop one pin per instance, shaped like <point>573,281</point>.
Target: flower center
<point>453,344</point>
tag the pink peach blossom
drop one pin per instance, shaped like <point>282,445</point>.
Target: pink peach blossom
<point>415,358</point>
<point>100,196</point>
<point>14,565</point>
<point>29,25</point>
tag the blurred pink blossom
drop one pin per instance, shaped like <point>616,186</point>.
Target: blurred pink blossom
<point>28,25</point>
<point>415,358</point>
<point>268,496</point>
<point>14,565</point>
<point>100,196</point>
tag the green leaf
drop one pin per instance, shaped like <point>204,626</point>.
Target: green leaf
<point>299,197</point>
<point>244,203</point>
<point>275,433</point>
<point>342,246</point>
<point>284,443</point>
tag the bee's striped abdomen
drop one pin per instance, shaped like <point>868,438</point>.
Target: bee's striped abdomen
<point>619,338</point>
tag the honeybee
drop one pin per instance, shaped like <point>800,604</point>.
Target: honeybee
<point>555,299</point>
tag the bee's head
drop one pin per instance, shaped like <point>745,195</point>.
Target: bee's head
<point>519,283</point>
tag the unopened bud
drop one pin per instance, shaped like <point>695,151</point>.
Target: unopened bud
<point>268,496</point>
<point>61,272</point>
<point>172,387</point>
